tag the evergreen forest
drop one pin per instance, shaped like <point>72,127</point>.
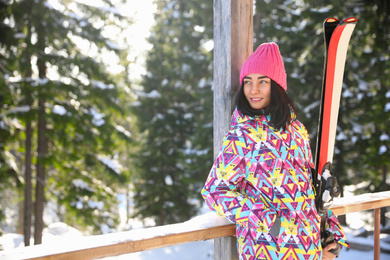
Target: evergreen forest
<point>76,135</point>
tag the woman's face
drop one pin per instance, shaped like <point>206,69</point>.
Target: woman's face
<point>257,90</point>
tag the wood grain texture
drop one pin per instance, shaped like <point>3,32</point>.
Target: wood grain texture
<point>233,43</point>
<point>222,70</point>
<point>377,232</point>
<point>126,247</point>
<point>362,202</point>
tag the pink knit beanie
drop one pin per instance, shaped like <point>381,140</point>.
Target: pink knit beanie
<point>266,60</point>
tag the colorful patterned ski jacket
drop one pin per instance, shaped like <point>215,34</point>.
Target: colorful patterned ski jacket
<point>262,174</point>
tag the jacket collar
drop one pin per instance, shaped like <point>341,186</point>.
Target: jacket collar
<point>239,118</point>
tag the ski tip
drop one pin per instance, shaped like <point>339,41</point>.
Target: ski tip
<point>331,20</point>
<point>350,20</point>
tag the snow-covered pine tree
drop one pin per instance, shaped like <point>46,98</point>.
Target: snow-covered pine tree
<point>71,101</point>
<point>366,101</point>
<point>8,175</point>
<point>175,113</point>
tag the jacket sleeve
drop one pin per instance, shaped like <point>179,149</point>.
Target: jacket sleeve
<point>222,195</point>
<point>333,226</point>
<point>307,152</point>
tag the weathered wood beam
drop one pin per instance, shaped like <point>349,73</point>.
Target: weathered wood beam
<point>122,247</point>
<point>233,43</point>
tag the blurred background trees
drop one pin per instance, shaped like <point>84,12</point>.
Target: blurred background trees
<point>76,134</point>
<point>175,113</point>
<point>61,111</point>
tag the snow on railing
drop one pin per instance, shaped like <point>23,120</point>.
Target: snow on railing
<point>204,227</point>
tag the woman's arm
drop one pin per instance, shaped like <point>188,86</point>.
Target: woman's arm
<point>222,195</point>
<point>332,226</point>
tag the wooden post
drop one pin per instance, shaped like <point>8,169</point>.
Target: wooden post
<point>233,43</point>
<point>377,232</point>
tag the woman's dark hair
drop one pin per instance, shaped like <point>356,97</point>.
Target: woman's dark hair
<point>279,107</point>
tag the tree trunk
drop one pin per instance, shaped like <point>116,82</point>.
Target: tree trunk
<point>28,186</point>
<point>27,72</point>
<point>20,217</point>
<point>384,188</point>
<point>40,182</point>
<point>42,145</point>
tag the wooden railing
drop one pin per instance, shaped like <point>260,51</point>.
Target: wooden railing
<point>205,227</point>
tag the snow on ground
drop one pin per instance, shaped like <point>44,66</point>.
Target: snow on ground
<point>202,250</point>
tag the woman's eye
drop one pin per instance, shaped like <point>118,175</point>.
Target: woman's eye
<point>263,82</point>
<point>247,82</point>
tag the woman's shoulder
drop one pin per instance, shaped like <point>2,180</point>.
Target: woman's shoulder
<point>300,127</point>
<point>237,118</point>
<point>241,129</point>
<point>240,119</point>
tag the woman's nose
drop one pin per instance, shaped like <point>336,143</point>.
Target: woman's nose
<point>255,89</point>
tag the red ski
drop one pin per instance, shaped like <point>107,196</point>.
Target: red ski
<point>337,36</point>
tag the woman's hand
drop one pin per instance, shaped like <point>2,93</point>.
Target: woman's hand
<point>326,255</point>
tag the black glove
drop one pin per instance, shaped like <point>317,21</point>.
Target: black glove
<point>329,239</point>
<point>326,190</point>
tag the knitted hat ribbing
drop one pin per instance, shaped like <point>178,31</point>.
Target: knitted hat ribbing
<point>266,60</point>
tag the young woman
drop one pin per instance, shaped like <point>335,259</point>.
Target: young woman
<point>261,179</point>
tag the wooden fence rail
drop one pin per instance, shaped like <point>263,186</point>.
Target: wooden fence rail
<point>205,227</point>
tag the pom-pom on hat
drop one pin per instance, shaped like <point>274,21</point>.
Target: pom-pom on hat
<point>266,60</point>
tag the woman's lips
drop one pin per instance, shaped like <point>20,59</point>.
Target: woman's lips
<point>256,99</point>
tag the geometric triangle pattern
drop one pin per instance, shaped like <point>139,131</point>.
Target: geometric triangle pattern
<point>262,174</point>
